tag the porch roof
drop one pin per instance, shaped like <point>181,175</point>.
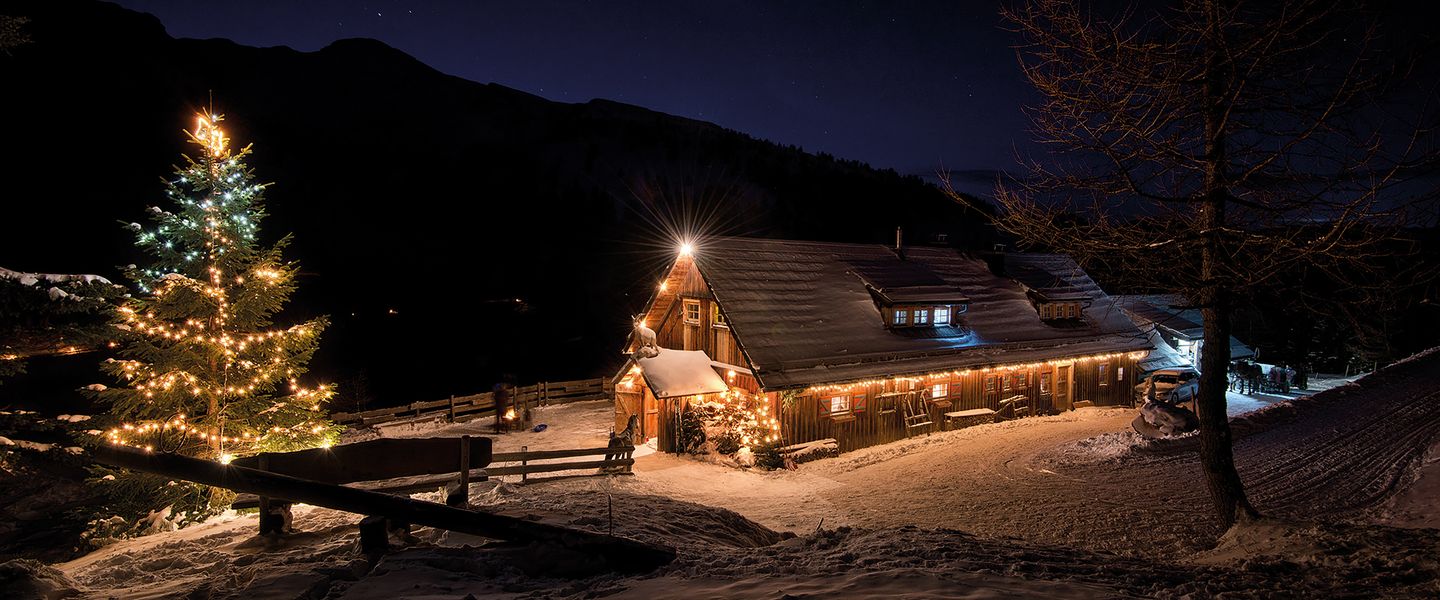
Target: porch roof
<point>676,373</point>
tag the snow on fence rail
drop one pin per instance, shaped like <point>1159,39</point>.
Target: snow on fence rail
<point>540,394</point>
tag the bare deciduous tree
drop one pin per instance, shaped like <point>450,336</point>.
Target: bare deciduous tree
<point>1208,149</point>
<point>12,32</point>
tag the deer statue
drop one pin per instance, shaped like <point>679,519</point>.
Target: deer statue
<point>623,439</point>
<point>646,337</point>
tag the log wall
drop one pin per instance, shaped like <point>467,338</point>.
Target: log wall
<point>876,414</point>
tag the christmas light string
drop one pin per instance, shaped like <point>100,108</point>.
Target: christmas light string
<point>849,386</point>
<point>251,362</point>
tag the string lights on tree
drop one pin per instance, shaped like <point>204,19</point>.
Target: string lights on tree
<point>205,369</point>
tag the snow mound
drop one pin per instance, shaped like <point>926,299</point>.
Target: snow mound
<point>34,278</point>
<point>1106,447</point>
<point>26,578</point>
<point>1347,560</point>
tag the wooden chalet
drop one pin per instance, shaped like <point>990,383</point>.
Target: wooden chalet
<point>868,344</point>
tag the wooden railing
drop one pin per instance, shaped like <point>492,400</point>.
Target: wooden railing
<point>618,460</point>
<point>540,394</point>
<point>614,461</point>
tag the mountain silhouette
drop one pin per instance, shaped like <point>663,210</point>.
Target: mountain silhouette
<point>454,230</point>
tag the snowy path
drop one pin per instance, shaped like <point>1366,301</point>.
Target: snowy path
<point>1084,480</point>
<point>1098,512</point>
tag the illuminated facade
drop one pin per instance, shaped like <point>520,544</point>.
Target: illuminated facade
<point>867,344</point>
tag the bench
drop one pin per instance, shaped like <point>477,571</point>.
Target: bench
<point>964,418</point>
<point>1014,407</point>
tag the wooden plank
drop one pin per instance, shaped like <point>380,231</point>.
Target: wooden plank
<point>974,412</point>
<point>550,392</point>
<point>621,554</point>
<point>544,454</point>
<point>553,467</point>
<point>374,460</point>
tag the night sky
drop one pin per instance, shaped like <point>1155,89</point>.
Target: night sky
<point>909,86</point>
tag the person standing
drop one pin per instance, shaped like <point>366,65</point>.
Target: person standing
<point>501,394</point>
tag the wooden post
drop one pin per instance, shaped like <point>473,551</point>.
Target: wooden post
<point>523,460</point>
<point>374,535</point>
<point>461,497</point>
<point>452,408</point>
<point>267,521</point>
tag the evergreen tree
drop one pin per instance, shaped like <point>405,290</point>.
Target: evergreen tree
<point>206,371</point>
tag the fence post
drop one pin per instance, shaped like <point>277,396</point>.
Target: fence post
<point>452,408</point>
<point>461,497</point>
<point>524,459</point>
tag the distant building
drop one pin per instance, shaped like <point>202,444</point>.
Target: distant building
<point>1177,332</point>
<point>867,344</point>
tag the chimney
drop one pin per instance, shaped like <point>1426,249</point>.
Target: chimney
<point>899,242</point>
<point>995,259</point>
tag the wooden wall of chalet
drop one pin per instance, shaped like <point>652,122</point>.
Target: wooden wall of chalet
<point>880,419</point>
<point>674,332</point>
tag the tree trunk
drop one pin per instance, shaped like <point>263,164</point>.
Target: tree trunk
<point>1217,456</point>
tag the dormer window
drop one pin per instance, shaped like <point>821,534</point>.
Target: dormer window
<point>1050,311</point>
<point>917,319</point>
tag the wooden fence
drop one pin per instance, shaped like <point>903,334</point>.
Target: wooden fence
<point>620,464</point>
<point>540,394</point>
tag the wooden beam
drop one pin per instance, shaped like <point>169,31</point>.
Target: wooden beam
<point>621,554</point>
<point>528,469</point>
<point>374,460</point>
<point>544,454</point>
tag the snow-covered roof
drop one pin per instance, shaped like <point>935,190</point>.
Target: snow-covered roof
<point>1160,310</point>
<point>675,373</point>
<point>805,315</point>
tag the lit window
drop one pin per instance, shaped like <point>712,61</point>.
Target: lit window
<point>990,383</point>
<point>692,312</point>
<point>1045,312</point>
<point>1120,374</point>
<point>716,317</point>
<point>1045,383</point>
<point>922,317</point>
<point>939,390</point>
<point>838,404</point>
<point>1104,373</point>
<point>1069,310</point>
<point>902,317</point>
<point>942,315</point>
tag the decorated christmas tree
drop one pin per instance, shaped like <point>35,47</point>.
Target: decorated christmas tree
<point>205,370</point>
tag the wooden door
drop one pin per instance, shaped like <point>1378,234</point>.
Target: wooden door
<point>650,416</point>
<point>1064,384</point>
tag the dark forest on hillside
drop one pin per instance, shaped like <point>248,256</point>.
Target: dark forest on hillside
<point>454,231</point>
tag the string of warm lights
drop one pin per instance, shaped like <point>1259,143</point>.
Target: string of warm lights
<point>751,420</point>
<point>221,364</point>
<point>852,385</point>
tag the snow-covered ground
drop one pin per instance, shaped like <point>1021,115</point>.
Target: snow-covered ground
<point>1073,505</point>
